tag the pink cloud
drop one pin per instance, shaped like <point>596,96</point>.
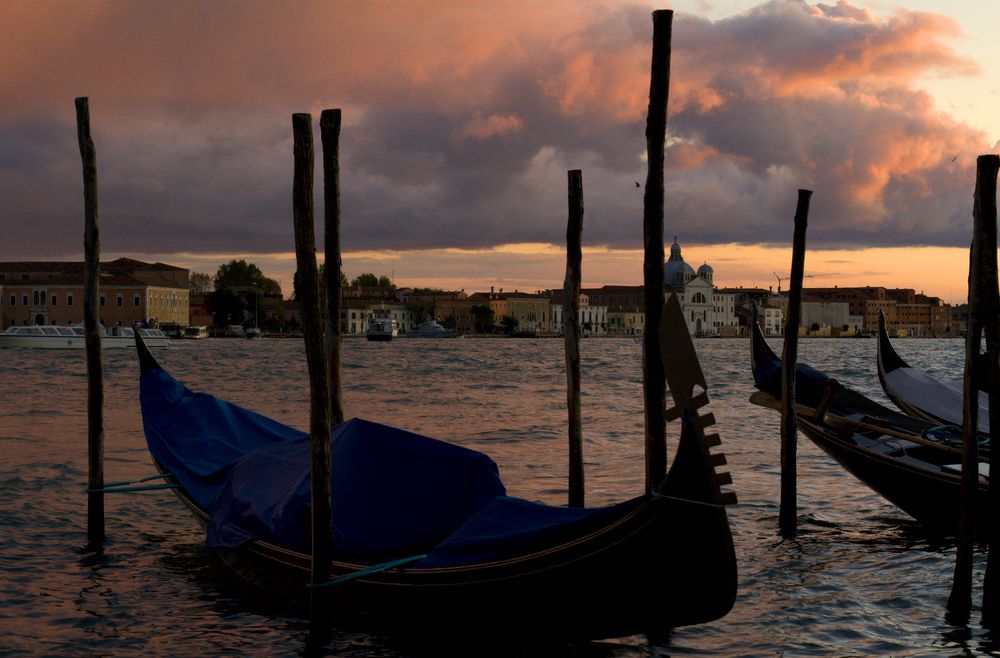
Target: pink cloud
<point>484,127</point>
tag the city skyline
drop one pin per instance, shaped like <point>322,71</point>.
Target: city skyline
<point>482,270</point>
<point>460,121</point>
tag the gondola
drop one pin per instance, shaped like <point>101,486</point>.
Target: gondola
<point>920,395</point>
<point>912,463</point>
<point>425,538</point>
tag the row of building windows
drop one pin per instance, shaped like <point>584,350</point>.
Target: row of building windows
<point>39,300</point>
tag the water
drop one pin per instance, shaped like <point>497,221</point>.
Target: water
<point>859,578</point>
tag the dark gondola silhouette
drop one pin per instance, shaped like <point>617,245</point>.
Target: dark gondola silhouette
<point>913,463</point>
<point>505,567</point>
<point>920,395</point>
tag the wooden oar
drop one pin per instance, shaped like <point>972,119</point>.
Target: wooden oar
<point>763,399</point>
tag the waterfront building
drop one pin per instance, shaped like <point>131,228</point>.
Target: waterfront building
<point>832,315</point>
<point>907,313</point>
<point>457,313</point>
<point>593,320</point>
<point>707,311</point>
<point>129,291</point>
<point>531,310</point>
<point>624,321</point>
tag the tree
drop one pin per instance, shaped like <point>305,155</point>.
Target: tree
<point>419,311</point>
<point>369,280</point>
<point>366,280</point>
<point>509,324</point>
<point>241,274</point>
<point>482,318</point>
<point>200,283</point>
<point>240,285</point>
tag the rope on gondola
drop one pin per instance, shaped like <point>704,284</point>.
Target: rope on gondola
<point>148,487</point>
<point>122,487</point>
<point>367,571</point>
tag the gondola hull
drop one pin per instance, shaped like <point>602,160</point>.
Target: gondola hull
<point>894,454</point>
<point>639,573</point>
<point>929,495</point>
<point>658,561</point>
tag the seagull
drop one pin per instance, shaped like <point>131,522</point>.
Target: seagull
<point>637,183</point>
<point>955,158</point>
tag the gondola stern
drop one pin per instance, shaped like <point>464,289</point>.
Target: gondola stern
<point>762,357</point>
<point>147,361</point>
<point>887,357</point>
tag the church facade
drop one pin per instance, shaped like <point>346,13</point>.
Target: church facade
<point>707,311</point>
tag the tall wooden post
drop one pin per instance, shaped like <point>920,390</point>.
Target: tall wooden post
<point>982,312</point>
<point>991,327</point>
<point>653,377</point>
<point>788,514</point>
<point>571,334</point>
<point>92,336</point>
<point>329,126</point>
<point>319,384</point>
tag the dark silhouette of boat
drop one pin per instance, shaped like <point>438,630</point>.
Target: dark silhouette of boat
<point>425,539</point>
<point>921,395</point>
<point>912,463</point>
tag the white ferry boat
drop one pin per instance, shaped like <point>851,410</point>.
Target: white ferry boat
<point>381,325</point>
<point>72,338</point>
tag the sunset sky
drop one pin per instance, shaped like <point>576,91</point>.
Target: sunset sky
<point>462,118</point>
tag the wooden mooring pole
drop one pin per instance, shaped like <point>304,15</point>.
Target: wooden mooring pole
<point>982,313</point>
<point>991,327</point>
<point>329,127</point>
<point>571,335</point>
<point>788,513</point>
<point>653,377</point>
<point>319,383</point>
<point>92,336</point>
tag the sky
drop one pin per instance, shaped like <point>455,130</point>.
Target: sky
<point>461,119</point>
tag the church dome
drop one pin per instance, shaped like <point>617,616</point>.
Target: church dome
<point>706,272</point>
<point>676,271</point>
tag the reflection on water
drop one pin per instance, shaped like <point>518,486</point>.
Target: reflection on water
<point>859,577</point>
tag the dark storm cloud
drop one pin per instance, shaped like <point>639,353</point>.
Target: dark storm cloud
<point>459,134</point>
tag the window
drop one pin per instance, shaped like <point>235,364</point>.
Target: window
<point>120,300</point>
<point>103,300</point>
<point>69,299</point>
<point>135,301</point>
<point>24,299</point>
<point>53,300</point>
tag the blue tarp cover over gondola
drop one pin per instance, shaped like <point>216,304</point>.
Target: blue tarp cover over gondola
<point>394,492</point>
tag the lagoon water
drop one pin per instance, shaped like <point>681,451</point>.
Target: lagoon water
<point>859,578</point>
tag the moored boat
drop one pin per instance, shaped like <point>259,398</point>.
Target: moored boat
<point>430,329</point>
<point>196,333</point>
<point>426,539</point>
<point>914,464</point>
<point>381,325</point>
<point>920,395</point>
<point>72,337</point>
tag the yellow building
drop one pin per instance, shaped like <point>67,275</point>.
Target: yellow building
<point>129,291</point>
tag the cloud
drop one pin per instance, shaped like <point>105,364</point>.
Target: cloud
<point>461,119</point>
<point>480,127</point>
